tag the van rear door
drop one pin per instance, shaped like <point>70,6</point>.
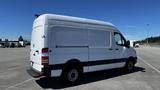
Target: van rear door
<point>36,46</point>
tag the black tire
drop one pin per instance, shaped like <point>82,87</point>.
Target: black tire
<point>129,66</point>
<point>71,75</point>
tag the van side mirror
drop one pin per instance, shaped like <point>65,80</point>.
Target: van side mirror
<point>127,43</point>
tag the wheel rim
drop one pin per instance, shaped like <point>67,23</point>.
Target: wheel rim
<point>73,75</point>
<point>130,65</point>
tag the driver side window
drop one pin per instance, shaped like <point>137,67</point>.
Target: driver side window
<point>119,39</point>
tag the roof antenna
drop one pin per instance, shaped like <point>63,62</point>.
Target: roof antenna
<point>36,15</point>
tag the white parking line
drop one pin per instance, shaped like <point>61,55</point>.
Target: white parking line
<point>149,64</point>
<point>8,70</point>
<point>18,88</point>
<point>18,84</point>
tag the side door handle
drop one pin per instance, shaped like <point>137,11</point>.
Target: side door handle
<point>117,49</point>
<point>110,49</point>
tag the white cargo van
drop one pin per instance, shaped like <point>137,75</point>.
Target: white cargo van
<point>69,46</point>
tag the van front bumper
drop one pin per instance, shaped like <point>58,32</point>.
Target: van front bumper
<point>135,60</point>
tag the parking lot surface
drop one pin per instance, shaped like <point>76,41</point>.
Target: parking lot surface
<point>146,76</point>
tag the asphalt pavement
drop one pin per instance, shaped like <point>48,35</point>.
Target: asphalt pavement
<point>146,76</point>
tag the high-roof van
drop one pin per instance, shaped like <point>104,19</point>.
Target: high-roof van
<point>65,46</point>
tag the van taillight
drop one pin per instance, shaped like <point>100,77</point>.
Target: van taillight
<point>44,50</point>
<point>44,60</point>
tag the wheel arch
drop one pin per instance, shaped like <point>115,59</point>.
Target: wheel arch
<point>131,58</point>
<point>73,63</point>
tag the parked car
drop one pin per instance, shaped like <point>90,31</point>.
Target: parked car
<point>136,45</point>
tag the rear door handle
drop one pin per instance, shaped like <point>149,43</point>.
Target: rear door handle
<point>37,51</point>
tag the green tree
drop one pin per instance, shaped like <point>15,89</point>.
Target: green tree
<point>20,38</point>
<point>6,40</point>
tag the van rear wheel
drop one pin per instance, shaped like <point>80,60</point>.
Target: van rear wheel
<point>71,75</point>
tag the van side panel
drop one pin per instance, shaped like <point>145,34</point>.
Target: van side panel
<point>67,43</point>
<point>90,44</point>
<point>101,50</point>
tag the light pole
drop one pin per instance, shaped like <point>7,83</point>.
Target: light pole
<point>147,35</point>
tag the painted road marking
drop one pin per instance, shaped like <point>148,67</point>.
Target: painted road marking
<point>18,84</point>
<point>149,64</point>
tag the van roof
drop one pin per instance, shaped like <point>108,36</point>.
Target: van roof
<point>76,19</point>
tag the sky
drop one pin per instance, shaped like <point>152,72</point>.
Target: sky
<point>129,16</point>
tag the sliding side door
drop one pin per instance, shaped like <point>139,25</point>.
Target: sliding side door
<point>101,53</point>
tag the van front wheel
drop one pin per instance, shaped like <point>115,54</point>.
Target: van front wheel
<point>129,66</point>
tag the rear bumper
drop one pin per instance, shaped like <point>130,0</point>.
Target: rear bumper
<point>34,73</point>
<point>46,71</point>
